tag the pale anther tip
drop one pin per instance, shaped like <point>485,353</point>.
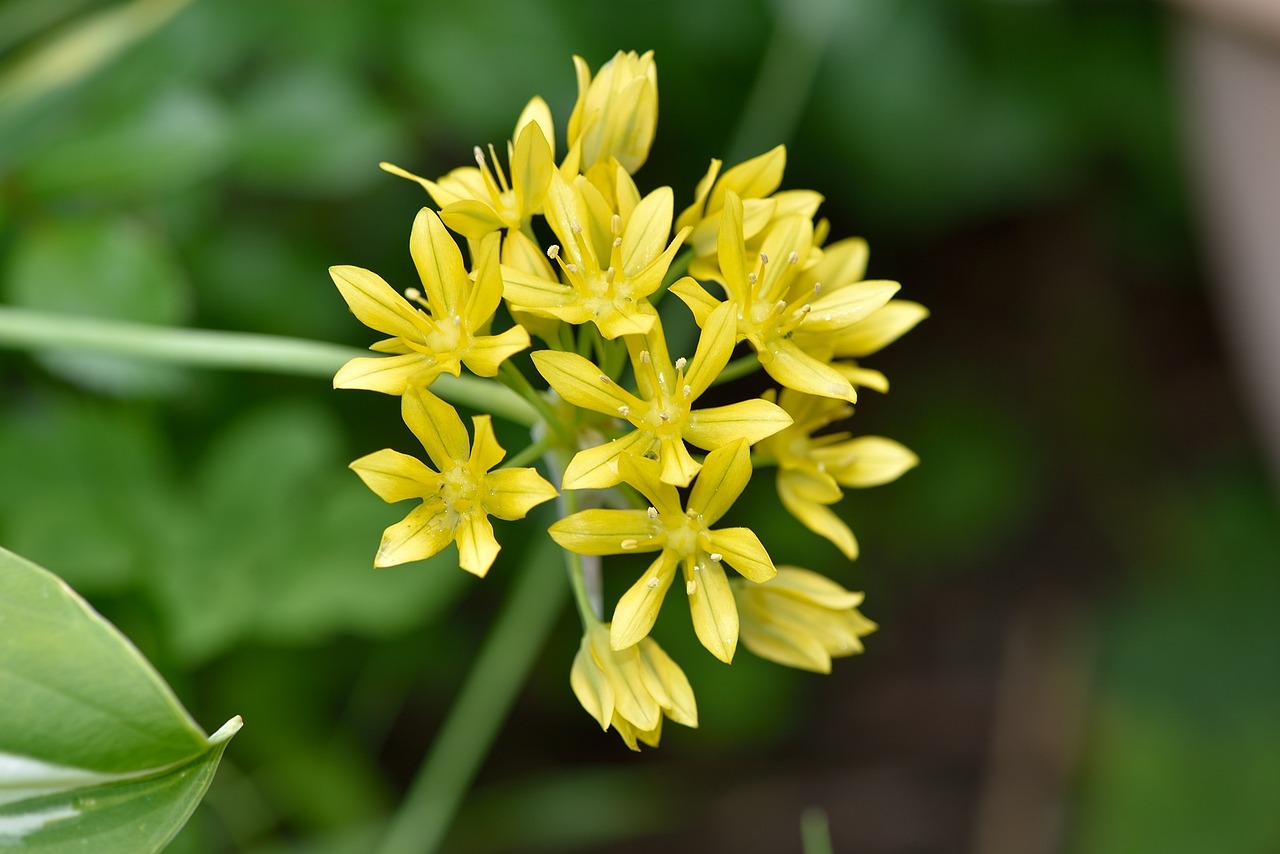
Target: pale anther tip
<point>553,251</point>
<point>716,556</point>
<point>794,257</point>
<point>629,545</point>
<point>691,587</point>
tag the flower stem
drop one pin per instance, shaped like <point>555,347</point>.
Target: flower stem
<point>207,348</point>
<point>463,741</point>
<point>586,590</point>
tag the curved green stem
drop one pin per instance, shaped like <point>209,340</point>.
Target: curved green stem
<point>514,641</point>
<point>206,348</point>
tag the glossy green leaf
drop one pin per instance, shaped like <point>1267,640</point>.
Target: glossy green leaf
<point>96,753</point>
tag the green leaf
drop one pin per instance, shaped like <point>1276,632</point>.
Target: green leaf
<point>96,753</point>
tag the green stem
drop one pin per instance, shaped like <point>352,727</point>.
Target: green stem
<point>24,329</point>
<point>460,746</point>
<point>519,384</point>
<point>588,608</point>
<point>742,366</point>
<point>531,452</point>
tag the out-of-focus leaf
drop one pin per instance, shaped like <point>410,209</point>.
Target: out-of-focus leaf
<point>169,143</point>
<point>86,490</point>
<point>96,753</point>
<point>312,131</point>
<point>100,267</point>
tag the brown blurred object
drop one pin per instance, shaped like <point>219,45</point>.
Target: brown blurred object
<point>1230,63</point>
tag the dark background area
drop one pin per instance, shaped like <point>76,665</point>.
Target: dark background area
<point>1076,589</point>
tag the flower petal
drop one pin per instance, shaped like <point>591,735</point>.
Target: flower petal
<point>590,685</point>
<point>732,253</point>
<point>680,704</point>
<point>477,547</point>
<point>485,450</point>
<point>439,263</point>
<point>582,383</point>
<point>471,218</point>
<point>880,329</point>
<point>866,461</point>
<point>597,468</point>
<point>839,309</point>
<point>487,352</point>
<point>636,611</point>
<point>606,532</point>
<point>645,235</point>
<point>715,615</point>
<point>796,369</point>
<point>752,420</point>
<point>751,179</point>
<point>376,304</point>
<point>512,493</point>
<point>632,700</point>
<point>417,536</point>
<point>394,476</point>
<point>742,550</point>
<point>817,517</point>
<point>387,374</point>
<point>715,347</point>
<point>532,162</point>
<point>724,475</point>
<point>437,426</point>
<point>811,587</point>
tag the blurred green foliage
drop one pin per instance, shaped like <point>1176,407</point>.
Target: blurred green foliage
<point>208,175</point>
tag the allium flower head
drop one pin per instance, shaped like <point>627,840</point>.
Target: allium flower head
<point>446,329</point>
<point>662,414</point>
<point>631,689</point>
<point>458,497</point>
<point>801,619</point>
<point>812,468</point>
<point>616,113</point>
<point>685,539</point>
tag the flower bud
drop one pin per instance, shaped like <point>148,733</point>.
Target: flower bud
<point>617,111</point>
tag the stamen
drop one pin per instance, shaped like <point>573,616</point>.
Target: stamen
<point>572,268</point>
<point>553,251</point>
<point>575,226</point>
<point>716,556</point>
<point>752,278</point>
<point>479,153</point>
<point>629,545</point>
<point>664,417</point>
<point>624,411</point>
<point>794,257</point>
<point>653,512</point>
<point>609,274</point>
<point>615,224</point>
<point>604,380</point>
<point>617,241</point>
<point>687,391</point>
<point>764,260</point>
<point>817,288</point>
<point>681,362</point>
<point>412,294</point>
<point>652,584</point>
<point>691,587</point>
<point>644,357</point>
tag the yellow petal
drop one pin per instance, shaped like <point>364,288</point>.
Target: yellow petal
<point>863,377</point>
<point>590,685</point>
<point>417,536</point>
<point>580,382</point>
<point>742,550</point>
<point>751,179</point>
<point>838,309</point>
<point>394,476</point>
<point>632,701</point>
<point>715,347</point>
<point>439,263</point>
<point>752,420</point>
<point>646,476</point>
<point>724,475</point>
<point>636,611</point>
<point>842,263</point>
<point>597,468</point>
<point>529,291</point>
<point>471,218</point>
<point>809,586</point>
<point>485,450</point>
<point>678,465</point>
<point>389,375</point>
<point>477,547</point>
<point>732,253</point>
<point>880,329</point>
<point>780,644</point>
<point>818,518</point>
<point>532,163</point>
<point>867,461</point>
<point>796,369</point>
<point>606,532</point>
<point>696,298</point>
<point>645,235</point>
<point>376,304</point>
<point>487,352</point>
<point>680,704</point>
<point>689,216</point>
<point>513,492</point>
<point>437,426</point>
<point>715,615</point>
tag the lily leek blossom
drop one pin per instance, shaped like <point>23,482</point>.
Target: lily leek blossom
<point>631,689</point>
<point>812,468</point>
<point>662,416</point>
<point>446,330</point>
<point>478,200</point>
<point>685,540</point>
<point>611,259</point>
<point>458,496</point>
<point>772,315</point>
<point>801,619</point>
<point>616,113</point>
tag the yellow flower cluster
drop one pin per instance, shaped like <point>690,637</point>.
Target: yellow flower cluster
<point>624,427</point>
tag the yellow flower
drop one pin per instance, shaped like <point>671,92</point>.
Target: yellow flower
<point>631,689</point>
<point>801,619</point>
<point>478,200</point>
<point>755,182</point>
<point>663,415</point>
<point>812,468</point>
<point>778,318</point>
<point>611,258</point>
<point>459,498</point>
<point>616,113</point>
<point>685,539</point>
<point>450,329</point>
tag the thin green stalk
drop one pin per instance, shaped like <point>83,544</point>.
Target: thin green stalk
<point>464,740</point>
<point>24,329</point>
<point>743,366</point>
<point>531,452</point>
<point>518,383</point>
<point>588,609</point>
<point>815,835</point>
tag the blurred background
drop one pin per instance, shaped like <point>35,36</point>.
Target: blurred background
<point>1077,589</point>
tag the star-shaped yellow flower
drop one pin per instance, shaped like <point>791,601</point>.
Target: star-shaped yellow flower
<point>459,497</point>
<point>631,689</point>
<point>611,257</point>
<point>663,415</point>
<point>478,200</point>
<point>755,182</point>
<point>685,539</point>
<point>772,315</point>
<point>801,619</point>
<point>812,468</point>
<point>616,113</point>
<point>448,331</point>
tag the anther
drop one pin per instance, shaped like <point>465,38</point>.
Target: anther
<point>624,411</point>
<point>553,251</point>
<point>794,257</point>
<point>664,417</point>
<point>764,259</point>
<point>681,362</point>
<point>572,268</point>
<point>687,391</point>
<point>617,241</point>
<point>629,545</point>
<point>604,380</point>
<point>716,557</point>
<point>653,512</point>
<point>644,356</point>
<point>576,226</point>
<point>817,288</point>
<point>615,224</point>
<point>652,584</point>
<point>412,294</point>
<point>752,278</point>
<point>479,153</point>
<point>691,587</point>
